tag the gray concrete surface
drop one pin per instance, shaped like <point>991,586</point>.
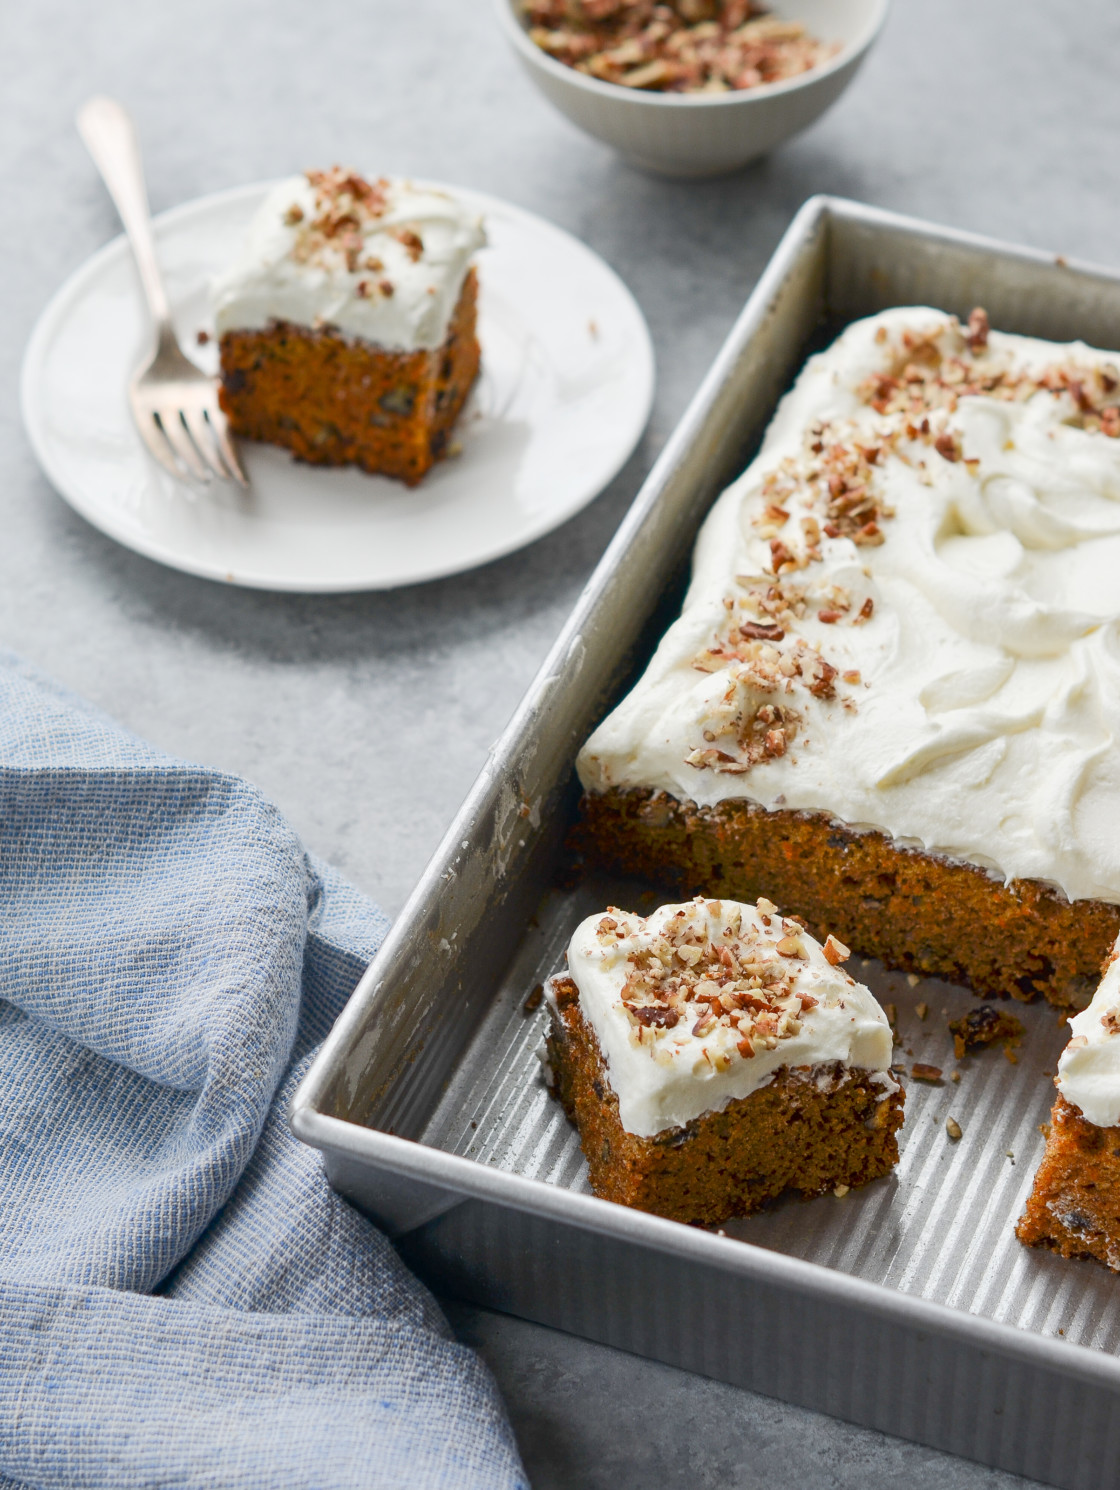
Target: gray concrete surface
<point>1000,117</point>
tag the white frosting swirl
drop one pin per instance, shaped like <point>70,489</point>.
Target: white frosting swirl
<point>666,1077</point>
<point>976,714</point>
<point>404,305</point>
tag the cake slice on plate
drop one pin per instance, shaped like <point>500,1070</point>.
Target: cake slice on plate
<point>713,1055</point>
<point>347,322</point>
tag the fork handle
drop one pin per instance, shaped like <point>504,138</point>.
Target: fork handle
<point>110,137</point>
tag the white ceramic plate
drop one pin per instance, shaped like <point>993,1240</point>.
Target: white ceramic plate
<point>564,395</point>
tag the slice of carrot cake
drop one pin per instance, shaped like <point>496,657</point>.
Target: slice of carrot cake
<point>1074,1207</point>
<point>892,698</point>
<point>347,322</point>
<point>713,1055</point>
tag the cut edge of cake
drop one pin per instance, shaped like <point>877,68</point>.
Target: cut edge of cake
<point>914,911</point>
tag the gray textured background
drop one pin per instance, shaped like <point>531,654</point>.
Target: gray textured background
<point>996,115</point>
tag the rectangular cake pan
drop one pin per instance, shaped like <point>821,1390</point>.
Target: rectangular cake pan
<point>907,1306</point>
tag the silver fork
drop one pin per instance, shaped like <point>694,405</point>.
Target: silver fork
<point>174,403</point>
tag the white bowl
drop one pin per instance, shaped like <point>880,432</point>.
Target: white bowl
<point>680,134</point>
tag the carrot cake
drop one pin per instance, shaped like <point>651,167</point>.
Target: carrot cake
<point>1074,1207</point>
<point>892,698</point>
<point>347,322</point>
<point>713,1055</point>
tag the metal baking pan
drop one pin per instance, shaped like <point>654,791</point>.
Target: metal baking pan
<point>907,1306</point>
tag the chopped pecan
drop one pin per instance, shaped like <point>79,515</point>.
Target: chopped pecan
<point>835,951</point>
<point>948,446</point>
<point>978,329</point>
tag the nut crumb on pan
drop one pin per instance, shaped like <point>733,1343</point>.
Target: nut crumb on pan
<point>922,1072</point>
<point>675,46</point>
<point>535,999</point>
<point>954,1129</point>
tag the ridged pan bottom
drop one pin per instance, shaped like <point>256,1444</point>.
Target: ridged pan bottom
<point>941,1226</point>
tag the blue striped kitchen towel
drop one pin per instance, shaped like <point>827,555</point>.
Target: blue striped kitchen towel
<point>183,1301</point>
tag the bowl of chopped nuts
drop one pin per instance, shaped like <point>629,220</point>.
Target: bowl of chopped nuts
<point>691,87</point>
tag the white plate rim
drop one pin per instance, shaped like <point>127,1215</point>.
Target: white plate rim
<point>77,284</point>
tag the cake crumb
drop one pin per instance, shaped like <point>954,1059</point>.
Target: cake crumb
<point>954,1129</point>
<point>922,1010</point>
<point>841,1191</point>
<point>913,980</point>
<point>981,1027</point>
<point>956,1076</point>
<point>533,1002</point>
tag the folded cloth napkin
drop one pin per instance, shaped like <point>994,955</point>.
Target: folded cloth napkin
<point>183,1301</point>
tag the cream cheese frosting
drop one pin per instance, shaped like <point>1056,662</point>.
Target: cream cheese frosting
<point>1089,1068</point>
<point>384,261</point>
<point>904,614</point>
<point>700,1004</point>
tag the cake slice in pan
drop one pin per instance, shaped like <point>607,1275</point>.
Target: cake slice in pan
<point>713,1055</point>
<point>1074,1207</point>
